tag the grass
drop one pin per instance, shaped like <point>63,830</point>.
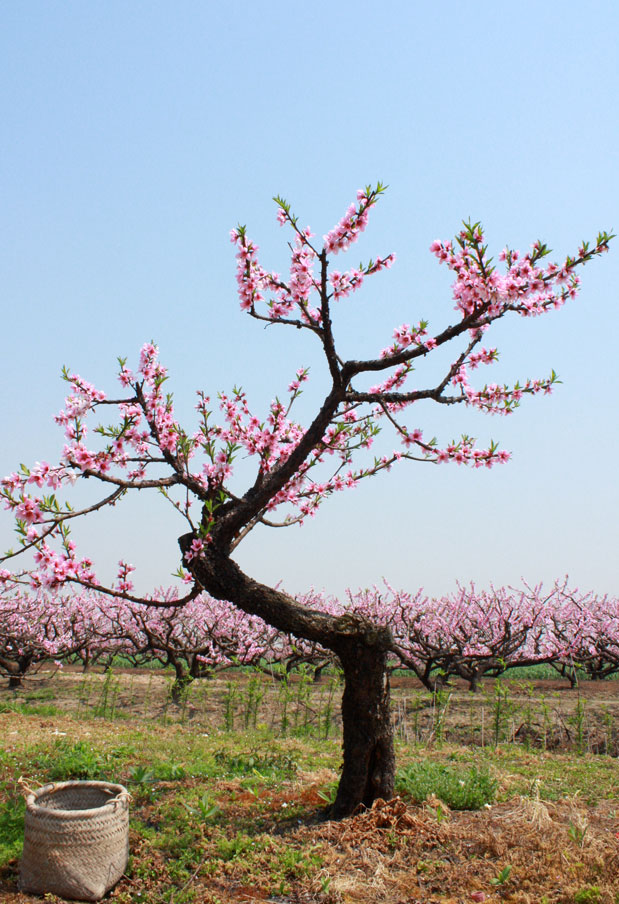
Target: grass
<point>511,708</point>
<point>11,828</point>
<point>272,765</point>
<point>461,789</point>
<point>219,817</point>
<point>29,709</point>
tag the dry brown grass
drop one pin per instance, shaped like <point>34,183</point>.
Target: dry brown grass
<point>559,851</point>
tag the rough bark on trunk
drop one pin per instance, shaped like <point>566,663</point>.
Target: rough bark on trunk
<point>16,669</point>
<point>182,680</point>
<point>368,754</point>
<point>368,768</point>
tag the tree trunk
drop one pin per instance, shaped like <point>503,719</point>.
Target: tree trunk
<point>368,769</point>
<point>182,680</point>
<point>16,669</point>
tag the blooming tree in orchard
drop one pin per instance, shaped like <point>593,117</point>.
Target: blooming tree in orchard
<point>298,466</point>
<point>468,633</point>
<point>38,627</point>
<point>195,640</point>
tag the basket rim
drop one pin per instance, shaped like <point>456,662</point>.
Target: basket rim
<point>119,795</point>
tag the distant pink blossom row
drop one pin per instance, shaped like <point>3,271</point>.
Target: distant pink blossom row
<point>468,633</point>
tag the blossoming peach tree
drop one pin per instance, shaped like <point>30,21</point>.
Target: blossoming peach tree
<point>297,466</point>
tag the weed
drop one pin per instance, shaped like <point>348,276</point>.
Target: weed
<point>503,877</point>
<point>578,721</point>
<point>83,694</point>
<point>285,696</point>
<point>328,793</point>
<point>502,709</point>
<point>325,884</point>
<point>295,863</point>
<point>230,698</point>
<point>588,894</point>
<point>325,713</point>
<point>193,836</point>
<point>105,708</point>
<point>11,828</point>
<point>251,700</point>
<point>302,697</point>
<point>440,814</point>
<point>204,808</point>
<point>527,689</point>
<point>578,832</point>
<point>392,839</point>
<point>608,723</point>
<point>459,789</point>
<point>170,772</point>
<point>546,721</point>
<point>231,848</point>
<point>141,774</point>
<point>40,694</point>
<point>27,709</point>
<point>441,699</point>
<point>74,761</point>
<point>273,765</point>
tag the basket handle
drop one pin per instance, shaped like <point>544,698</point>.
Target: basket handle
<point>122,795</point>
<point>25,788</point>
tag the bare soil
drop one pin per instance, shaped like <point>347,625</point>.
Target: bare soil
<point>524,850</point>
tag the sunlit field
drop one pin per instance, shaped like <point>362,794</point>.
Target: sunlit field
<point>510,793</point>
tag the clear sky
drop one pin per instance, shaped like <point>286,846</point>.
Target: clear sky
<point>135,135</point>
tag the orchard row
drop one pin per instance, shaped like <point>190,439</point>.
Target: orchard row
<point>468,633</point>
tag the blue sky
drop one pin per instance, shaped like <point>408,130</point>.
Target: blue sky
<point>135,135</point>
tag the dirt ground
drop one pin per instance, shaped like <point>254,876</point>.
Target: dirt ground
<point>541,713</point>
<point>524,850</point>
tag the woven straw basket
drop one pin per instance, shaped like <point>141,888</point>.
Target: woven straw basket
<point>76,840</point>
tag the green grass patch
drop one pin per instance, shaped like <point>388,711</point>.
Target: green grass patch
<point>459,788</point>
<point>193,820</point>
<point>66,761</point>
<point>540,672</point>
<point>40,695</point>
<point>11,828</point>
<point>271,764</point>
<point>30,709</point>
<point>589,894</point>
